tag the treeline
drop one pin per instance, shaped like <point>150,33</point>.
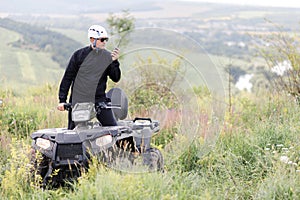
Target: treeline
<point>40,39</point>
<point>218,42</point>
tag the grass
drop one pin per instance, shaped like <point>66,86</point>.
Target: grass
<point>26,68</point>
<point>245,162</point>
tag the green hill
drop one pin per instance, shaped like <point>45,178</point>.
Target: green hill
<point>21,68</point>
<point>40,39</point>
<point>31,55</point>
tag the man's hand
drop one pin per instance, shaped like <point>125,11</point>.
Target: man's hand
<point>61,107</point>
<point>115,54</point>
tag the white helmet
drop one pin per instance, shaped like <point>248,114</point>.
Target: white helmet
<point>96,31</point>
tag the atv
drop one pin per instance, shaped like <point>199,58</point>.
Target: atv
<point>61,155</point>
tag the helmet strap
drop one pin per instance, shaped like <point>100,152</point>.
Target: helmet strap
<point>95,46</point>
<point>95,41</point>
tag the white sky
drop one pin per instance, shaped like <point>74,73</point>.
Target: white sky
<point>275,3</point>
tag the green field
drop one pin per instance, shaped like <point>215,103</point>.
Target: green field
<point>21,68</point>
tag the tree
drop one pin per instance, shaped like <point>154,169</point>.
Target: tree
<point>283,59</point>
<point>120,26</point>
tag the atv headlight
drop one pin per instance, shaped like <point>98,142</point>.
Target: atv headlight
<point>104,140</point>
<point>43,143</point>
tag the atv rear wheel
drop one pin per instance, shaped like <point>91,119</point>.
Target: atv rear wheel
<point>154,160</point>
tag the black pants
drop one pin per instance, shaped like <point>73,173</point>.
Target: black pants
<point>105,117</point>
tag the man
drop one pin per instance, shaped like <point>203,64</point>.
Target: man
<point>87,73</point>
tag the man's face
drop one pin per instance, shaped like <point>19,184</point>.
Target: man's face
<point>100,42</point>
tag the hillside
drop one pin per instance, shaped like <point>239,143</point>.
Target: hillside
<point>21,68</point>
<point>40,39</point>
<point>256,154</point>
<point>228,35</point>
<point>32,55</point>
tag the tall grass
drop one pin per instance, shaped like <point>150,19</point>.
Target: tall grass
<point>257,156</point>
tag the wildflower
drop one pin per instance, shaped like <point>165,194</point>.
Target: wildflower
<point>284,159</point>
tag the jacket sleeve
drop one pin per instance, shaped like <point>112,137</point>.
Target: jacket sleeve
<point>68,78</point>
<point>114,71</point>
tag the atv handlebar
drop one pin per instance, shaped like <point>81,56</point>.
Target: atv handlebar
<point>105,105</point>
<point>67,106</point>
<point>98,106</point>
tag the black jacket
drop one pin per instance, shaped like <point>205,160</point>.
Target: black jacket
<point>113,72</point>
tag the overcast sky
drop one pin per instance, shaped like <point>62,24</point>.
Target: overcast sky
<point>276,3</point>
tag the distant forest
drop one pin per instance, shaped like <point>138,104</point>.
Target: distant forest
<point>41,39</point>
